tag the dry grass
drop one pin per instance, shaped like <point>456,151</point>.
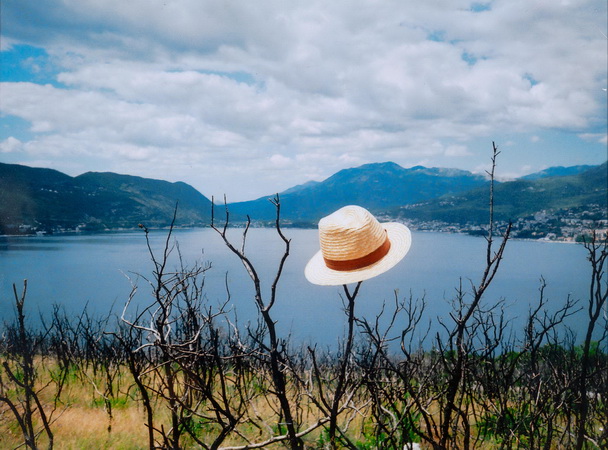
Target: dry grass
<point>78,427</point>
<point>81,418</point>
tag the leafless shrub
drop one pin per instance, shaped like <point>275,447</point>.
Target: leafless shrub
<point>19,390</point>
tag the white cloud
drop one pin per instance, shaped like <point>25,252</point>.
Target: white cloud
<point>280,161</point>
<point>206,87</point>
<point>602,138</point>
<point>10,144</point>
<point>457,150</point>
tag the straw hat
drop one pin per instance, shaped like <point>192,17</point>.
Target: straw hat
<point>356,247</point>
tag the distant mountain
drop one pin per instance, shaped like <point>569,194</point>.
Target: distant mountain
<point>33,199</point>
<point>515,199</point>
<point>46,200</point>
<point>378,187</point>
<point>557,171</point>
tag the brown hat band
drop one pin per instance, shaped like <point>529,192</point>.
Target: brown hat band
<point>360,263</point>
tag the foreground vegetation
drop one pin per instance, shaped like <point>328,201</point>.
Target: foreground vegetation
<point>100,405</point>
<point>183,373</point>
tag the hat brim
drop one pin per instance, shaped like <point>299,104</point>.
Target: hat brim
<point>401,239</point>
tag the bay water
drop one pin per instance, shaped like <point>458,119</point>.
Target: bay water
<point>100,271</point>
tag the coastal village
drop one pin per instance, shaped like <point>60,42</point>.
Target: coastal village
<point>564,225</point>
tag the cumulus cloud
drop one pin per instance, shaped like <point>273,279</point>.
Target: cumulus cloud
<point>10,144</point>
<point>218,92</point>
<point>280,161</point>
<point>602,138</point>
<point>457,150</point>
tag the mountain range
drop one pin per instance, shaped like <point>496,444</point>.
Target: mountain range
<point>378,187</point>
<point>36,199</point>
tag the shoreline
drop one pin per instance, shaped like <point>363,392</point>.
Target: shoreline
<point>136,229</point>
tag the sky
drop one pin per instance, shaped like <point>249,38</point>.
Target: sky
<point>248,98</point>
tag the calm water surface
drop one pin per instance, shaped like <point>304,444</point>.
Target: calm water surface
<point>98,271</point>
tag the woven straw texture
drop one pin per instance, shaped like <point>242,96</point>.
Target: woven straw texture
<point>351,233</point>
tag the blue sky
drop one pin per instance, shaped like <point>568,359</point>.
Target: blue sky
<point>250,98</point>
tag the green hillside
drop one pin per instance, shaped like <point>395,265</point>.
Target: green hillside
<point>33,199</point>
<point>516,199</point>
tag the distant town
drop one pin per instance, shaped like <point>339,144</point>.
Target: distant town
<point>564,225</point>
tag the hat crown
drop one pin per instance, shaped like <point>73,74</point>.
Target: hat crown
<point>349,233</point>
